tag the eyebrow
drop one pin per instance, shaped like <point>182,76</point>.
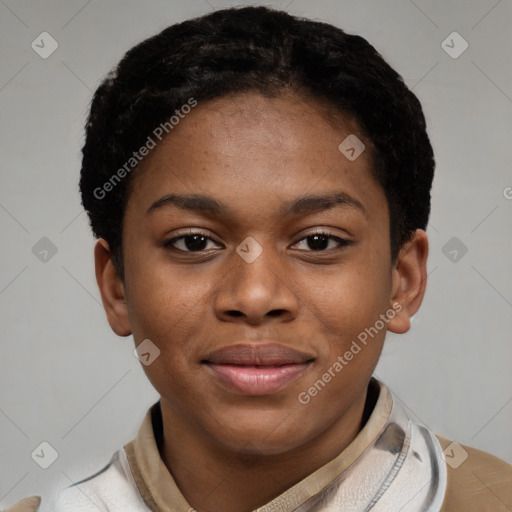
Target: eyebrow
<point>306,204</point>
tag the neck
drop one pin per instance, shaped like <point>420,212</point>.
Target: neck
<point>212,477</point>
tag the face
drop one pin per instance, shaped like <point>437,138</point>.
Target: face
<point>255,255</point>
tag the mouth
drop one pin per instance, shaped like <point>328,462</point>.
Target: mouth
<point>257,369</point>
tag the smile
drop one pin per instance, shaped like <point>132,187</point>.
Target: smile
<point>257,369</point>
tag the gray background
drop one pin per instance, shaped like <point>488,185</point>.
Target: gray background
<point>68,380</point>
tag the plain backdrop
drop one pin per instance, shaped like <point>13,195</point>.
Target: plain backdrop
<point>67,380</point>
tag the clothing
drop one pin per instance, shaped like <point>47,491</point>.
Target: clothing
<point>394,463</point>
<point>26,505</point>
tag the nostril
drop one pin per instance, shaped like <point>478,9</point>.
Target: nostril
<point>234,312</point>
<point>276,312</point>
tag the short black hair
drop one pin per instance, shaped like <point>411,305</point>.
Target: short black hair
<point>267,51</point>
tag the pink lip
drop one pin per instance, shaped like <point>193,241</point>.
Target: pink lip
<point>257,369</point>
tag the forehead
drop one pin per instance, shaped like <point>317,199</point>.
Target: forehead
<point>251,151</point>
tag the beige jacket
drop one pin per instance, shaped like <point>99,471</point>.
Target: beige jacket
<point>476,481</point>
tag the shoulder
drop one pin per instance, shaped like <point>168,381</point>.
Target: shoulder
<point>112,488</point>
<point>477,481</point>
<point>26,505</point>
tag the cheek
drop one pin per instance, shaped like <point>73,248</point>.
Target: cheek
<point>163,300</point>
<point>169,310</point>
<point>346,309</point>
<point>171,315</point>
<point>346,300</point>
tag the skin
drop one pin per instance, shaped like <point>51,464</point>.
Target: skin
<point>256,154</point>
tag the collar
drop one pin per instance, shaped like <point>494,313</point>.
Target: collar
<point>393,460</point>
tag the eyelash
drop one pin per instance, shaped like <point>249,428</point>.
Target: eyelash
<point>340,241</point>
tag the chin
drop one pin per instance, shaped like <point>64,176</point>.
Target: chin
<point>254,436</point>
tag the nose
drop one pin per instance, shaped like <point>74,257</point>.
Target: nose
<point>256,293</point>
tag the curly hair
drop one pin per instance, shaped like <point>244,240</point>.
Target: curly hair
<point>267,51</point>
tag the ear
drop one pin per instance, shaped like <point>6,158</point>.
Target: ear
<point>409,281</point>
<point>112,289</point>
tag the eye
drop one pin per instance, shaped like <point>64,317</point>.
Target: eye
<point>321,241</point>
<point>190,242</point>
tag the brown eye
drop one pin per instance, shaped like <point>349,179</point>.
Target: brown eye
<point>191,242</point>
<point>322,242</point>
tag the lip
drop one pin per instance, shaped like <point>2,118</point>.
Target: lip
<point>257,368</point>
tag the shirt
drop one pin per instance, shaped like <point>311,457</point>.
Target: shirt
<point>394,463</point>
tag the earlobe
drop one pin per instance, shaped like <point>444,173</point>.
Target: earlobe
<point>111,286</point>
<point>409,281</point>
